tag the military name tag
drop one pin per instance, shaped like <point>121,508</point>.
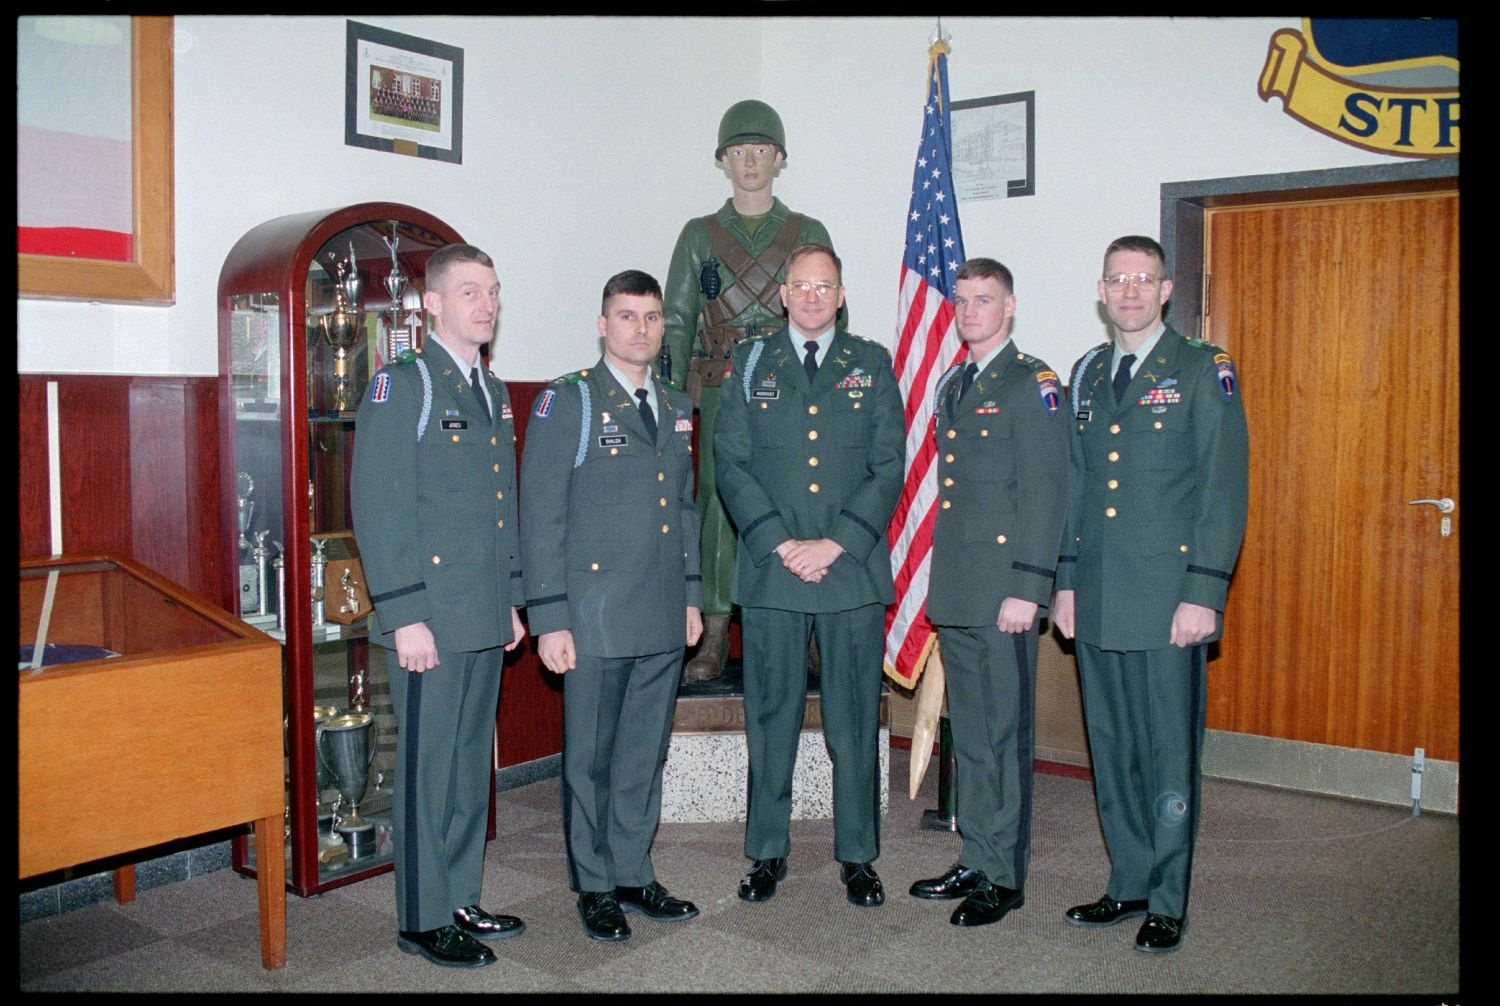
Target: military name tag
<point>1084,415</point>
<point>766,393</point>
<point>618,440</point>
<point>455,424</point>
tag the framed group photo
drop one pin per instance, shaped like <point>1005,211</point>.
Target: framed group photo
<point>403,94</point>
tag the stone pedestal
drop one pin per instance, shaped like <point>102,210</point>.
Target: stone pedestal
<point>707,772</point>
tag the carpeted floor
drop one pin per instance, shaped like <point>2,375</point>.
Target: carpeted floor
<point>1292,893</point>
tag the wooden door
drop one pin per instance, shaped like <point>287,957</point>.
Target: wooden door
<point>1342,620</point>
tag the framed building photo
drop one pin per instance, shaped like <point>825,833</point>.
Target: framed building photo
<point>994,146</point>
<point>403,94</point>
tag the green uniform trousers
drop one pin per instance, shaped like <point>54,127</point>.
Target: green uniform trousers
<point>446,723</point>
<point>852,646</point>
<point>617,722</point>
<point>991,678</point>
<point>1145,711</point>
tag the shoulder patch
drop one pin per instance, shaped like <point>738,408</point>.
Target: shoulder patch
<point>1225,367</point>
<point>382,388</point>
<point>1046,386</point>
<point>544,403</point>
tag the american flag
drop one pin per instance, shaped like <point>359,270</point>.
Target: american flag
<point>926,346</point>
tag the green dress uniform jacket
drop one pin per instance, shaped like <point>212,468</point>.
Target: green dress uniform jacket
<point>684,324</point>
<point>433,494</point>
<point>611,527</point>
<point>1002,497</point>
<point>1002,475</point>
<point>800,460</point>
<point>611,543</point>
<point>1158,494</point>
<point>808,462</point>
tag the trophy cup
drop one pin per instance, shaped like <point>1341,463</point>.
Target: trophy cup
<point>261,555</point>
<point>350,749</point>
<point>321,716</point>
<point>341,328</point>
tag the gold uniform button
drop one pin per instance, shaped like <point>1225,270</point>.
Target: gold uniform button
<point>662,501</point>
<point>948,481</point>
<point>613,451</point>
<point>1000,539</point>
<point>1114,455</point>
<point>1158,424</point>
<point>493,441</point>
<point>947,504</point>
<point>455,438</point>
<point>499,523</point>
<point>436,559</point>
<point>661,476</point>
<point>812,462</point>
<point>594,566</point>
<point>952,434</point>
<point>496,468</point>
<point>984,433</point>
<point>499,496</point>
<point>812,410</point>
<point>1115,428</point>
<point>1182,548</point>
<point>812,434</point>
<point>1109,512</point>
<point>1114,483</point>
<point>856,405</point>
<point>764,405</point>
<point>813,488</point>
<point>948,458</point>
<point>665,528</point>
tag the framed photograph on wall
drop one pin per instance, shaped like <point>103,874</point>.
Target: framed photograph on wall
<point>994,146</point>
<point>403,94</point>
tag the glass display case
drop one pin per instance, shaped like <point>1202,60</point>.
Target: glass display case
<point>310,306</point>
<point>145,715</point>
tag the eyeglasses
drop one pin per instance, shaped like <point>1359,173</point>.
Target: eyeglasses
<point>802,288</point>
<point>1119,281</point>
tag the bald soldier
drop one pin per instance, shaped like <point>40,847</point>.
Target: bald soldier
<point>723,286</point>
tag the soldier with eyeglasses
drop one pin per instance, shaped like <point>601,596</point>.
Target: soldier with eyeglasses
<point>1157,497</point>
<point>809,450</point>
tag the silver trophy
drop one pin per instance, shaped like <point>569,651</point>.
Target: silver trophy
<point>321,716</point>
<point>319,562</point>
<point>348,747</point>
<point>279,564</point>
<point>250,579</point>
<point>262,556</point>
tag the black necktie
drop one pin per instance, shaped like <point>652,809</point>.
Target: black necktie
<point>1122,376</point>
<point>647,416</point>
<point>971,369</point>
<point>484,405</point>
<point>810,361</point>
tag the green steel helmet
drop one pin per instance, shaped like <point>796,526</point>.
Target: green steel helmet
<point>747,122</point>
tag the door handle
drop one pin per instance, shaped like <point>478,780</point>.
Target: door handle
<point>1444,505</point>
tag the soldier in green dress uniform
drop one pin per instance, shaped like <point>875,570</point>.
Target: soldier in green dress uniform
<point>724,285</point>
<point>1002,455</point>
<point>433,493</point>
<point>809,450</point>
<point>609,544</point>
<point>1157,498</point>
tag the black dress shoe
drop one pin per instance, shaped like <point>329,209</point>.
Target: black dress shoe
<point>1104,912</point>
<point>760,883</point>
<point>449,946</point>
<point>989,903</point>
<point>958,882</point>
<point>1160,934</point>
<point>602,918</point>
<point>477,922</point>
<point>862,885</point>
<point>654,902</point>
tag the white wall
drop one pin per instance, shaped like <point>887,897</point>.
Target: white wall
<point>589,141</point>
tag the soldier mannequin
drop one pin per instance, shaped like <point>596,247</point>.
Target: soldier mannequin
<point>724,285</point>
